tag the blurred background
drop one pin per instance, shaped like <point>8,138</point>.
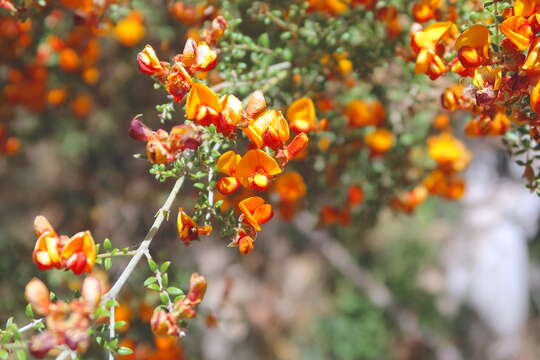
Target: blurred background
<point>453,280</point>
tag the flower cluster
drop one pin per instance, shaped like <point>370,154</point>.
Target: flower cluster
<point>67,323</point>
<point>197,56</point>
<point>76,253</point>
<point>164,322</point>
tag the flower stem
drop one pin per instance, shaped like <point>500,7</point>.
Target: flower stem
<point>162,214</point>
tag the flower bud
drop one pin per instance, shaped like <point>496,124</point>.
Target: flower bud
<point>227,185</point>
<point>137,130</point>
<point>157,153</point>
<point>148,61</point>
<point>255,105</point>
<point>197,288</point>
<point>42,225</point>
<point>245,245</point>
<point>37,294</point>
<point>162,324</point>
<point>206,58</point>
<point>91,292</point>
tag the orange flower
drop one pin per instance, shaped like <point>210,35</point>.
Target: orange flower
<point>148,61</point>
<point>56,96</point>
<point>227,164</point>
<point>255,211</point>
<point>290,186</point>
<point>365,114</point>
<point>46,254</point>
<point>448,152</point>
<point>355,195</point>
<point>409,201</point>
<point>188,230</point>
<point>268,129</point>
<point>518,30</point>
<point>429,63</point>
<point>487,80</point>
<point>178,82</point>
<point>431,35</point>
<point>82,105</point>
<point>37,294</point>
<point>68,60</point>
<point>294,149</point>
<point>441,184</point>
<point>425,10</point>
<point>130,30</point>
<point>255,168</point>
<point>232,114</point>
<point>203,105</point>
<point>245,244</point>
<point>450,98</point>
<point>379,141</point>
<point>301,115</point>
<point>197,289</point>
<point>473,46</point>
<point>79,253</point>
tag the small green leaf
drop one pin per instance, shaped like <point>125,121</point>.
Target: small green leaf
<point>199,185</point>
<point>124,351</point>
<point>152,264</point>
<point>107,244</point>
<point>119,324</point>
<point>107,263</point>
<point>165,266</point>
<point>149,281</point>
<point>174,291</point>
<point>164,297</point>
<point>29,312</point>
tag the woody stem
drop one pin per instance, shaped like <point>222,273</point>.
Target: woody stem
<point>162,214</point>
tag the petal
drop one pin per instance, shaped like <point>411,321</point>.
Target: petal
<point>476,36</point>
<point>73,245</point>
<point>303,112</point>
<point>228,162</point>
<point>255,160</point>
<point>263,214</point>
<point>201,94</point>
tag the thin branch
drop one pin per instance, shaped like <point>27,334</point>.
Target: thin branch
<point>276,67</point>
<point>162,214</point>
<point>112,328</point>
<point>30,325</point>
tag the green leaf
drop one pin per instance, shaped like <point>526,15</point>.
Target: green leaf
<point>29,312</point>
<point>124,351</point>
<point>165,280</point>
<point>107,263</point>
<point>165,266</point>
<point>107,244</point>
<point>149,281</point>
<point>199,185</point>
<point>152,264</point>
<point>119,324</point>
<point>154,287</point>
<point>174,291</point>
<point>164,297</point>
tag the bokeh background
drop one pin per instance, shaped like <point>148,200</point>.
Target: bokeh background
<point>454,280</point>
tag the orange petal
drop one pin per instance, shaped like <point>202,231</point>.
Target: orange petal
<point>199,95</point>
<point>301,114</point>
<point>257,161</point>
<point>228,162</point>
